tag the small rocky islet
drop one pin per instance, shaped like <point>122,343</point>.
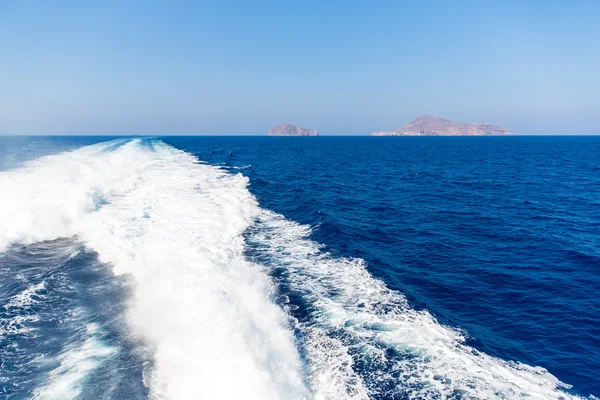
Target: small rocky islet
<point>291,130</point>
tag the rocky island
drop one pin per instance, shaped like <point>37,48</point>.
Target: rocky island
<point>292,130</point>
<point>427,125</point>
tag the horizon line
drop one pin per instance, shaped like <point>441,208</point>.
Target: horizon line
<point>145,135</point>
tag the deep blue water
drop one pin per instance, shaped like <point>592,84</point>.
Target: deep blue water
<point>497,237</point>
<point>75,306</point>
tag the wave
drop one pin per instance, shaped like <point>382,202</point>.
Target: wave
<point>68,313</point>
<point>175,225</point>
<point>16,313</point>
<point>75,362</point>
<point>357,320</point>
<point>207,312</point>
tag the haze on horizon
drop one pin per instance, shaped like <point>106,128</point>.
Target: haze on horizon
<point>233,67</point>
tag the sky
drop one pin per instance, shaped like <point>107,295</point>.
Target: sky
<point>341,67</point>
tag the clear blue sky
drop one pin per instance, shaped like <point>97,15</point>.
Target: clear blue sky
<point>342,67</point>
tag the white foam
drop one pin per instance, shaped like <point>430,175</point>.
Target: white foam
<point>15,323</point>
<point>27,297</point>
<point>175,225</point>
<point>75,363</point>
<point>205,312</point>
<point>433,360</point>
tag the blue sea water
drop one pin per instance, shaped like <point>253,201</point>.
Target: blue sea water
<point>407,267</point>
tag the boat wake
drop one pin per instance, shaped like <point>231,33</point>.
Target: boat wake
<point>231,300</point>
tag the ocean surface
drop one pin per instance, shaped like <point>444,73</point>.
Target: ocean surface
<point>300,268</point>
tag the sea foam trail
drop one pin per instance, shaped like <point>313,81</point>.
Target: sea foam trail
<point>205,312</point>
<point>175,225</point>
<point>355,319</point>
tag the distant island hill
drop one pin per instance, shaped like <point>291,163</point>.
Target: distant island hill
<point>291,130</point>
<point>427,125</point>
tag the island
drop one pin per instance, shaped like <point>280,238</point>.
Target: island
<point>427,125</point>
<point>292,130</point>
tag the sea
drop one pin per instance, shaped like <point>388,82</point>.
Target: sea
<point>300,267</point>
